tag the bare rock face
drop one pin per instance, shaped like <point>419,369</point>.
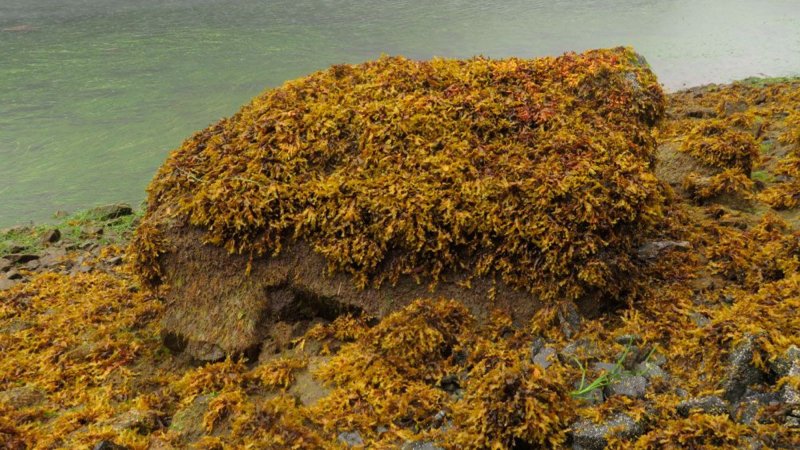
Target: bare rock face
<point>215,310</point>
<point>501,184</point>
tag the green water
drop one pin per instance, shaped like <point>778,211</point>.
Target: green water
<point>94,93</point>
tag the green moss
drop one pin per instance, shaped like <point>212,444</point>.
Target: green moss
<point>762,176</point>
<point>72,227</point>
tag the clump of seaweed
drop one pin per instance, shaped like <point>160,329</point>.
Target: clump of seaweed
<point>720,144</point>
<point>415,168</point>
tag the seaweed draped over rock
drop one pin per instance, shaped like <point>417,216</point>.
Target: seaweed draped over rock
<point>537,171</point>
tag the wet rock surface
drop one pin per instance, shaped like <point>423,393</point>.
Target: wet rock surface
<point>587,435</point>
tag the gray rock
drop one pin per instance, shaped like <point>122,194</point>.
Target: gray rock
<point>52,257</point>
<point>205,351</point>
<point>590,436</point>
<point>13,275</point>
<point>569,318</point>
<point>710,405</point>
<point>350,438</point>
<point>579,349</point>
<point>109,212</point>
<point>628,339</point>
<point>15,325</point>
<point>22,397</point>
<point>420,445</point>
<point>633,386</point>
<point>5,283</point>
<point>20,258</point>
<point>4,265</point>
<point>741,372</point>
<point>115,261</point>
<point>786,363</point>
<point>32,265</point>
<point>605,367</point>
<point>653,249</point>
<point>536,346</point>
<point>51,236</point>
<point>650,370</point>
<point>108,445</point>
<point>747,411</point>
<point>142,421</point>
<point>790,395</point>
<point>593,397</point>
<point>699,319</point>
<point>700,113</point>
<point>545,357</point>
<point>187,423</point>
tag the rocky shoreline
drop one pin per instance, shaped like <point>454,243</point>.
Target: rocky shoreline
<point>707,357</point>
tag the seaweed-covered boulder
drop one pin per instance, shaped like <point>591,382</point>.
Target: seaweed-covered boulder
<point>501,183</point>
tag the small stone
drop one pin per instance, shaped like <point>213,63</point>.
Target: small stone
<point>652,250</point>
<point>20,258</point>
<point>628,386</point>
<point>590,436</point>
<point>605,367</point>
<point>22,397</point>
<point>51,236</point>
<point>92,232</point>
<point>52,257</point>
<point>699,320</point>
<point>628,339</point>
<point>593,397</point>
<point>789,361</point>
<point>137,420</point>
<point>205,352</point>
<point>700,113</point>
<point>569,318</point>
<point>109,212</point>
<point>650,370</point>
<point>536,346</point>
<point>4,265</point>
<point>33,264</point>
<point>790,395</point>
<point>741,371</point>
<point>187,422</point>
<point>115,261</point>
<point>710,405</point>
<point>108,445</point>
<point>350,438</point>
<point>13,275</point>
<point>450,383</point>
<point>580,349</point>
<point>15,325</point>
<point>420,445</point>
<point>7,284</point>
<point>60,214</point>
<point>545,357</point>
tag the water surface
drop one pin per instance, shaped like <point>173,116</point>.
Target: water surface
<point>94,93</point>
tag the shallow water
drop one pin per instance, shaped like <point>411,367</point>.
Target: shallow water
<point>94,93</point>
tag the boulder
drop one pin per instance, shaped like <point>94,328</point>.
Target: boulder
<point>108,212</point>
<point>456,179</point>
